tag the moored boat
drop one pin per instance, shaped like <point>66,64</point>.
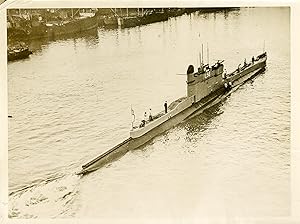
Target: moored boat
<point>52,28</point>
<point>206,87</point>
<point>153,16</point>
<point>76,25</point>
<point>17,53</point>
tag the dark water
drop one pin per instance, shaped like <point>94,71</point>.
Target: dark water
<point>71,100</point>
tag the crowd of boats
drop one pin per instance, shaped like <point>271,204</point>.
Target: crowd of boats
<point>39,23</point>
<point>25,25</point>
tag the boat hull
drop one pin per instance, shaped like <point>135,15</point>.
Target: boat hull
<point>76,26</point>
<point>18,55</point>
<point>41,31</point>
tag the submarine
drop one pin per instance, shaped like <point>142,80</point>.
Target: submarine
<point>206,87</point>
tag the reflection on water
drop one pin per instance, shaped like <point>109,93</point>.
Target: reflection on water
<point>71,101</point>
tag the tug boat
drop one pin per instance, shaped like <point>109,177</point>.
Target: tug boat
<point>206,87</point>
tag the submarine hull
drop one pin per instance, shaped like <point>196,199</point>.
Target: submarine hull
<point>133,143</point>
<point>195,109</point>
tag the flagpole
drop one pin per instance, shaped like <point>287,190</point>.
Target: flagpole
<point>132,113</point>
<point>207,54</point>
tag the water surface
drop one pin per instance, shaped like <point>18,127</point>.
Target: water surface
<point>71,101</point>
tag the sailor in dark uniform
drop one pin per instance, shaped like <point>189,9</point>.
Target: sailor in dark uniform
<point>166,107</point>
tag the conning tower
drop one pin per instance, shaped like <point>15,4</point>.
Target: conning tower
<point>205,81</point>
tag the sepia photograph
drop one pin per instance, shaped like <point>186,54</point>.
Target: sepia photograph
<point>142,113</point>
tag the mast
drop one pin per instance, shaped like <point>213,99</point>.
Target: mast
<point>264,47</point>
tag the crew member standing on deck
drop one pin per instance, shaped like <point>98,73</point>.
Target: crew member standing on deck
<point>145,116</point>
<point>166,107</point>
<point>150,115</point>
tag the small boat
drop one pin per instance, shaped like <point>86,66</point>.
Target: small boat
<point>18,53</point>
<point>206,87</point>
